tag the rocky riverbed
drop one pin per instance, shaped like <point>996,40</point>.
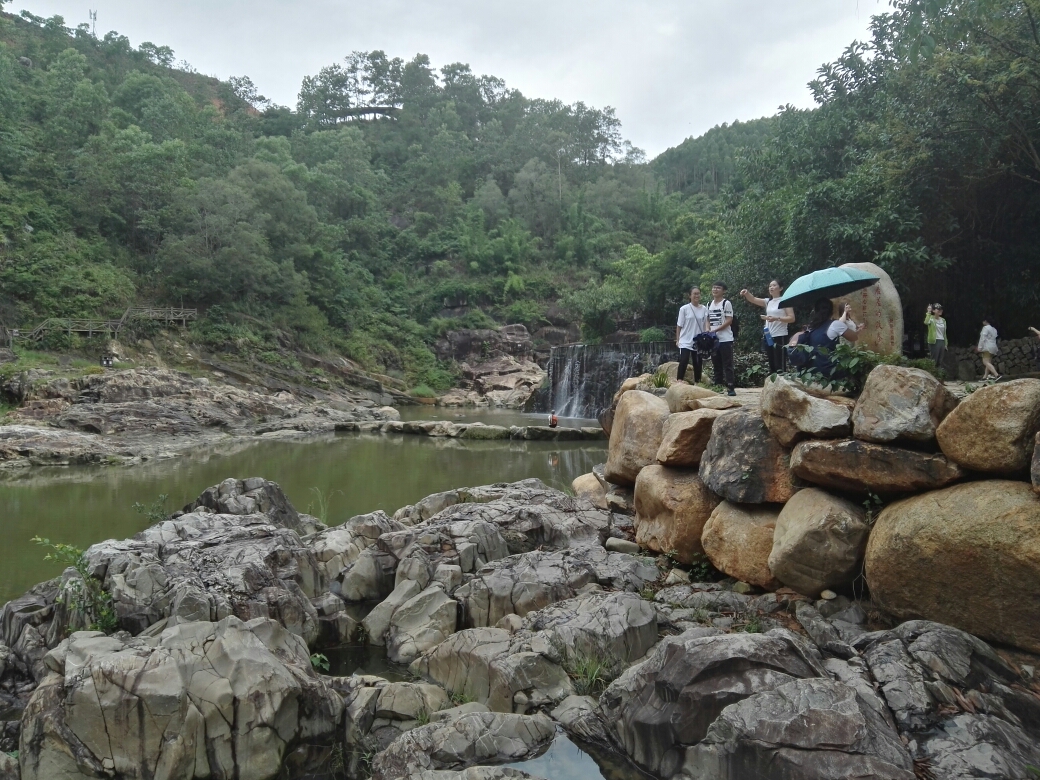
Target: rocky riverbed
<point>122,417</point>
<point>519,611</point>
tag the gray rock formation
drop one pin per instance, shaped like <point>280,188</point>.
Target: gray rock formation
<point>201,700</point>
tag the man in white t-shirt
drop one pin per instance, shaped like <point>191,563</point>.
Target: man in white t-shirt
<point>720,317</point>
<point>693,320</point>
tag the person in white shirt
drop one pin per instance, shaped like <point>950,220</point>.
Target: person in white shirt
<point>720,317</point>
<point>776,320</point>
<point>988,348</point>
<point>693,320</point>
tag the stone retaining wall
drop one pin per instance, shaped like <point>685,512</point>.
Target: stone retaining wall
<point>1016,357</point>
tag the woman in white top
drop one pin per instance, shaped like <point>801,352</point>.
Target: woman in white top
<point>774,332</point>
<point>987,348</point>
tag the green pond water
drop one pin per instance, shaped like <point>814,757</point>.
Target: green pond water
<point>353,473</point>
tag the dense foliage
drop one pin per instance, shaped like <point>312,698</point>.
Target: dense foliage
<point>397,201</point>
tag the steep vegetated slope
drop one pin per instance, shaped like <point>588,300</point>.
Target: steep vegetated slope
<point>398,200</point>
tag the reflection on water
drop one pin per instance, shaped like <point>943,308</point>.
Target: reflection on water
<point>566,760</point>
<point>357,473</point>
<point>504,417</point>
<point>365,659</point>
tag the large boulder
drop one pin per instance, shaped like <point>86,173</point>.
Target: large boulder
<point>993,429</point>
<point>857,466</point>
<point>679,396</point>
<point>530,581</point>
<point>961,708</point>
<point>422,622</point>
<point>818,542</point>
<point>791,412</point>
<point>589,487</point>
<point>901,404</point>
<point>254,496</point>
<point>807,729</point>
<point>744,462</point>
<point>471,738</point>
<point>635,436</point>
<point>685,437</point>
<point>201,700</point>
<point>339,547</point>
<point>672,507</point>
<point>497,669</point>
<point>376,711</point>
<point>968,555</point>
<point>738,539</point>
<point>878,311</point>
<point>659,707</point>
<point>613,629</point>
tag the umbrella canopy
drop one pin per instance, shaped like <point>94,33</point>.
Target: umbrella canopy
<point>826,283</point>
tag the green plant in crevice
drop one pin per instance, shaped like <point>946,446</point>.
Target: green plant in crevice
<point>422,717</point>
<point>87,593</point>
<point>590,674</point>
<point>156,511</point>
<point>660,379</point>
<point>320,661</point>
<point>459,697</point>
<point>323,501</point>
<point>873,506</point>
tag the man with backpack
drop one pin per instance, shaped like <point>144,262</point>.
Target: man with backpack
<point>720,322</point>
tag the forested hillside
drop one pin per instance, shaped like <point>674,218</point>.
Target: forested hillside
<point>399,199</point>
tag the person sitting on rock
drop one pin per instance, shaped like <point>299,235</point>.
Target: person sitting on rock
<point>553,419</point>
<point>822,336</point>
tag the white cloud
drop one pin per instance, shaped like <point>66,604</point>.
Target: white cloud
<point>671,68</point>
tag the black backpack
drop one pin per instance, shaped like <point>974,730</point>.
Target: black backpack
<point>735,323</point>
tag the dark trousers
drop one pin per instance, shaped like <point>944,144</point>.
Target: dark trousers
<point>776,355</point>
<point>687,356</point>
<point>722,364</point>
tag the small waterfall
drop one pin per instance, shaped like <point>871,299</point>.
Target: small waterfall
<point>583,378</point>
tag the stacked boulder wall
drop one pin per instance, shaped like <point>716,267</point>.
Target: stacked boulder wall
<point>202,700</point>
<point>993,429</point>
<point>858,466</point>
<point>659,707</point>
<point>683,397</point>
<point>745,463</point>
<point>807,729</point>
<point>685,437</point>
<point>738,540</point>
<point>530,581</point>
<point>901,405</point>
<point>968,556</point>
<point>672,507</point>
<point>878,311</point>
<point>818,542</point>
<point>470,738</point>
<point>635,436</point>
<point>793,412</point>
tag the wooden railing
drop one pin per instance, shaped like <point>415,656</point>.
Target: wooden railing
<point>90,327</point>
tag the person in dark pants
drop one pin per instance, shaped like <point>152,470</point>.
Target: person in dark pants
<point>693,320</point>
<point>720,317</point>
<point>775,322</point>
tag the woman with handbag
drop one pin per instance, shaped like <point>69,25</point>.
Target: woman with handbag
<point>774,328</point>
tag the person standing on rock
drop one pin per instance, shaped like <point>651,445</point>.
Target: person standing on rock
<point>774,334</point>
<point>693,320</point>
<point>720,319</point>
<point>988,348</point>
<point>936,333</point>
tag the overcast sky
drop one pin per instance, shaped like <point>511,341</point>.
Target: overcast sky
<point>671,68</point>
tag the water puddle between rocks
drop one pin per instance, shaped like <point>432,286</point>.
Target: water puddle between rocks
<point>569,760</point>
<point>365,659</point>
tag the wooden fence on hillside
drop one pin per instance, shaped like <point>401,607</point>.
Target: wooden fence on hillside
<point>90,328</point>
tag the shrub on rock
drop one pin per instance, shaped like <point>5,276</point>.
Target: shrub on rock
<point>738,540</point>
<point>968,556</point>
<point>672,507</point>
<point>993,429</point>
<point>635,436</point>
<point>818,542</point>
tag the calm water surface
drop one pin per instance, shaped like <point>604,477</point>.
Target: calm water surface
<point>355,473</point>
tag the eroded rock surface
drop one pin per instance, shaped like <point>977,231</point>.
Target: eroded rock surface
<point>792,412</point>
<point>993,429</point>
<point>744,462</point>
<point>635,435</point>
<point>672,506</point>
<point>857,466</point>
<point>900,404</point>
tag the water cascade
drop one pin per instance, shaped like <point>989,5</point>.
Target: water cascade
<point>584,377</point>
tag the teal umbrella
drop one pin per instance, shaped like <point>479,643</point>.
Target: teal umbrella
<point>826,283</point>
